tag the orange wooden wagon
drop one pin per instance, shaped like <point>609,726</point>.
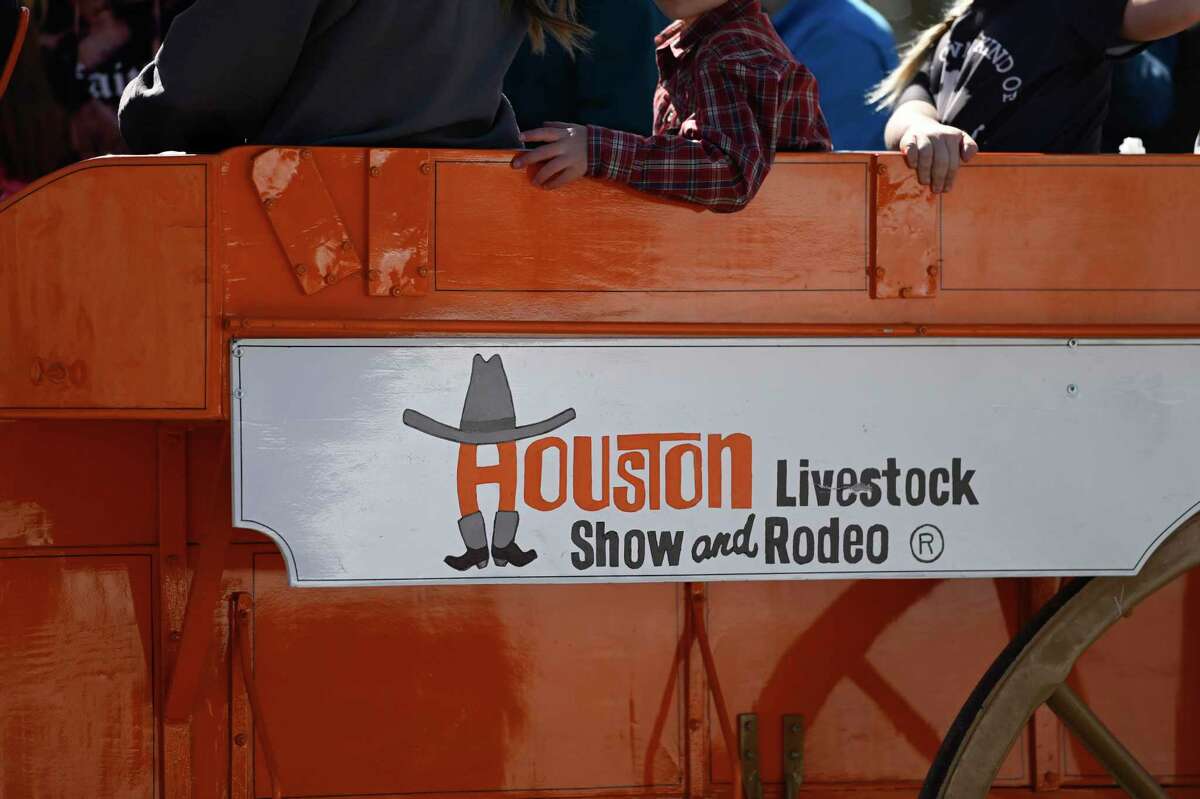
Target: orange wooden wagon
<point>146,646</point>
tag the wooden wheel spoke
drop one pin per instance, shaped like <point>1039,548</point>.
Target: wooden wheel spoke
<point>1104,746</point>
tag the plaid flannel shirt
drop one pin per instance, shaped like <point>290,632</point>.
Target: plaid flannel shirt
<point>729,96</point>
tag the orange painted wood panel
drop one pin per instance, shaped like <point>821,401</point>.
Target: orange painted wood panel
<point>496,232</point>
<point>1143,680</point>
<point>391,691</point>
<point>1062,224</point>
<point>106,293</point>
<point>878,669</point>
<point>76,708</point>
<point>73,484</point>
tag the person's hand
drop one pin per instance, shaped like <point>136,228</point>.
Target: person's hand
<point>95,131</point>
<point>564,154</point>
<point>936,151</point>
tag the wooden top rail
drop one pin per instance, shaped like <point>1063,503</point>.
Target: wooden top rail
<point>124,277</point>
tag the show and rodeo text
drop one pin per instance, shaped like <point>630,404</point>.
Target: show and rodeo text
<point>654,470</point>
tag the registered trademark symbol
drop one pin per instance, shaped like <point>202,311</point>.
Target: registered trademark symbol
<point>927,543</point>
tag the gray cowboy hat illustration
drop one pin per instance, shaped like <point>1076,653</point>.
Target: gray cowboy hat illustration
<point>488,414</point>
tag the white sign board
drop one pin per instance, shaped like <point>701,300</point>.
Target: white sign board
<point>415,461</point>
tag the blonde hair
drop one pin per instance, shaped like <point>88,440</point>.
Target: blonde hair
<point>559,19</point>
<point>888,92</point>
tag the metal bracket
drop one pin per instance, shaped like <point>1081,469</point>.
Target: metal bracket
<point>906,229</point>
<point>748,752</point>
<point>400,205</point>
<point>304,217</point>
<point>793,755</point>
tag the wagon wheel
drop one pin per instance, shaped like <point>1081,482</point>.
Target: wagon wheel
<point>1033,670</point>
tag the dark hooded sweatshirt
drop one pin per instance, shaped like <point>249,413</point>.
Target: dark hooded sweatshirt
<point>328,72</point>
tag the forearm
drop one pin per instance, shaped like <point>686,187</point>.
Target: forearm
<point>716,175</point>
<point>913,112</point>
<point>1149,20</point>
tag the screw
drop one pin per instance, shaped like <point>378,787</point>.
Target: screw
<point>397,291</point>
<point>423,271</point>
<point>796,728</point>
<point>1072,389</point>
<point>426,168</point>
<point>1073,343</point>
<point>237,352</point>
<point>330,279</point>
<point>238,394</point>
<point>240,739</point>
<point>376,171</point>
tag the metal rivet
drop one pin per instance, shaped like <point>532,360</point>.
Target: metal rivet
<point>330,279</point>
<point>240,739</point>
<point>426,168</point>
<point>301,269</point>
<point>423,271</point>
<point>376,171</point>
<point>397,291</point>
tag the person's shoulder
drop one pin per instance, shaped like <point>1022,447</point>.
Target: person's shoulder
<point>853,19</point>
<point>749,43</point>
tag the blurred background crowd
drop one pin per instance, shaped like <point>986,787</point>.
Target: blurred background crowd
<point>80,55</point>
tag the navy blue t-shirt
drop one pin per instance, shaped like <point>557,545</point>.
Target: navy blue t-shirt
<point>1026,75</point>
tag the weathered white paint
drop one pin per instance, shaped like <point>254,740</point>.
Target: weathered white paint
<point>1084,454</point>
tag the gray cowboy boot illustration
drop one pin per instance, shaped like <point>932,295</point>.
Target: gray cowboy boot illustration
<point>474,535</point>
<point>504,546</point>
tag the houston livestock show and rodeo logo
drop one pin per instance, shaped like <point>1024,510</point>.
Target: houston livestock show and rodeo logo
<point>681,471</point>
<point>430,460</point>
